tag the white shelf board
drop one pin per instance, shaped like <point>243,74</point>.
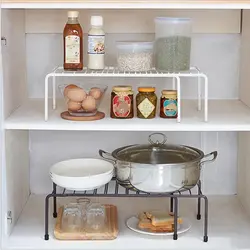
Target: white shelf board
<point>229,227</point>
<point>129,4</point>
<point>223,115</point>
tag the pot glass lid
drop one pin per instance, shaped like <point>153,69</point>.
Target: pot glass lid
<point>158,153</point>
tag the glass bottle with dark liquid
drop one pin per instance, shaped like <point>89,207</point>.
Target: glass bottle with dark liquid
<point>73,43</point>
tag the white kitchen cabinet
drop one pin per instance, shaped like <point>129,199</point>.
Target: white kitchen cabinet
<point>221,48</point>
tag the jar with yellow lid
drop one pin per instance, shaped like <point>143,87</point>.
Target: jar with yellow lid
<point>168,104</point>
<point>122,102</point>
<point>146,101</point>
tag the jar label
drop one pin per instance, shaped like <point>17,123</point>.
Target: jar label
<point>146,107</point>
<point>170,107</point>
<point>72,49</point>
<point>96,44</point>
<point>121,105</point>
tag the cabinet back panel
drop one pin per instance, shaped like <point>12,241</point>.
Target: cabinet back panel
<point>47,148</point>
<point>134,21</point>
<point>216,55</point>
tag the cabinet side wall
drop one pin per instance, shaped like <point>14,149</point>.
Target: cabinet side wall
<point>244,94</point>
<point>17,187</point>
<point>244,90</point>
<point>14,59</point>
<point>244,170</point>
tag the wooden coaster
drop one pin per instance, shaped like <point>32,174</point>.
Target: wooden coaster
<point>67,116</point>
<point>109,232</point>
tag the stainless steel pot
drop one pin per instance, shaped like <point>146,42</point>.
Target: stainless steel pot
<point>158,167</point>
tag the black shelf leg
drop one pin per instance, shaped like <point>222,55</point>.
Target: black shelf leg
<point>171,204</point>
<point>175,236</point>
<point>199,201</point>
<point>205,239</point>
<point>46,235</point>
<point>54,201</point>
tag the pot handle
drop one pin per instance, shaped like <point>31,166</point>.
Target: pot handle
<point>105,155</point>
<point>214,154</point>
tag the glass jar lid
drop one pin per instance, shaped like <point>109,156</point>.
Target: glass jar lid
<point>122,88</point>
<point>146,89</point>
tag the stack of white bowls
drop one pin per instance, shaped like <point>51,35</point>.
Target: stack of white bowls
<point>82,174</point>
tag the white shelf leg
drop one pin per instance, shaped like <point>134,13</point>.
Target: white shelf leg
<point>199,93</point>
<point>46,98</point>
<point>54,92</point>
<point>173,84</point>
<point>206,98</point>
<point>178,99</point>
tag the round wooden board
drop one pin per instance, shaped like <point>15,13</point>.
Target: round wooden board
<point>66,115</point>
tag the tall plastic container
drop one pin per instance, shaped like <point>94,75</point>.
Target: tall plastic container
<point>172,45</point>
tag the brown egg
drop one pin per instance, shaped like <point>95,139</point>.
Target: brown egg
<point>68,87</point>
<point>76,94</point>
<point>89,104</point>
<point>96,93</point>
<point>74,106</point>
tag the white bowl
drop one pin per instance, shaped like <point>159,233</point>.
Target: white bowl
<point>82,174</point>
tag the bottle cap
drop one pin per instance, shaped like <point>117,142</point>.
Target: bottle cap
<point>146,89</point>
<point>73,14</point>
<point>96,21</point>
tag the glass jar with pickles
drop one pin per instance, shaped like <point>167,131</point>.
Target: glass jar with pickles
<point>146,101</point>
<point>122,102</point>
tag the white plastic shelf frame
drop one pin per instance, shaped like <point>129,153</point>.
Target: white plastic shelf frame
<point>194,72</point>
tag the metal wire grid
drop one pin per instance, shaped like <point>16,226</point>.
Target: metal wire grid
<point>194,72</point>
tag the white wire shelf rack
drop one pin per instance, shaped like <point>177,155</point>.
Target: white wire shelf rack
<point>194,72</point>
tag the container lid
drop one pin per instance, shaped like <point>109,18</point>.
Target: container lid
<point>122,88</point>
<point>96,21</point>
<point>73,14</point>
<point>134,45</point>
<point>158,152</point>
<point>146,89</point>
<point>173,19</point>
<point>169,92</point>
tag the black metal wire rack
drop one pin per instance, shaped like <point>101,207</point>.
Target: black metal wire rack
<point>119,191</point>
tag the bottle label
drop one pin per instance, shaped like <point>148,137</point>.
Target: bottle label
<point>121,105</point>
<point>170,107</point>
<point>72,49</point>
<point>96,44</point>
<point>146,107</point>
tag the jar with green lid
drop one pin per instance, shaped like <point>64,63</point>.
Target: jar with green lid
<point>122,102</point>
<point>146,101</point>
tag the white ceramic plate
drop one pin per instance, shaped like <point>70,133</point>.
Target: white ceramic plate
<point>82,174</point>
<point>132,223</point>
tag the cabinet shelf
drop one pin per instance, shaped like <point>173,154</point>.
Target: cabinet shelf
<point>224,115</point>
<point>129,4</point>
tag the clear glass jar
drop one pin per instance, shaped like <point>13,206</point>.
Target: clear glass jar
<point>172,45</point>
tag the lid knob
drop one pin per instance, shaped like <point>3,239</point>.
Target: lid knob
<point>164,138</point>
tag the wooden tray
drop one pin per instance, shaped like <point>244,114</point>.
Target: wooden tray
<point>67,116</point>
<point>110,231</point>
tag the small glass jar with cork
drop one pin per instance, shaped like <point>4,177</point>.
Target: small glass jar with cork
<point>168,104</point>
<point>122,102</point>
